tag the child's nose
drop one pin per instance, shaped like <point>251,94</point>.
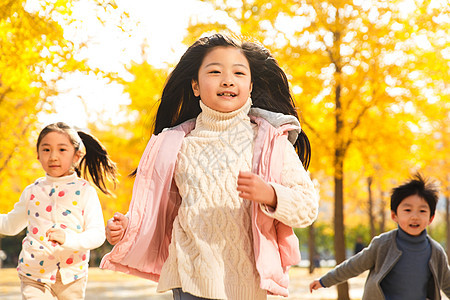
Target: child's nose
<point>415,215</point>
<point>227,81</point>
<point>52,155</point>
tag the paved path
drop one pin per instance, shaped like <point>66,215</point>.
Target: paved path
<point>103,284</point>
<point>108,285</point>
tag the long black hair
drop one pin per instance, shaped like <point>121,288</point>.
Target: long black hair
<point>95,162</point>
<point>270,86</point>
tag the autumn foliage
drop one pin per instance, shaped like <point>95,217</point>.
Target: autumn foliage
<point>370,80</point>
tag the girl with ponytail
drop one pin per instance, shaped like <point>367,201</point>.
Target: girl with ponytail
<point>62,213</point>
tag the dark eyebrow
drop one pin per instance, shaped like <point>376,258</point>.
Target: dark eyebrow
<point>219,64</point>
<point>59,145</point>
<point>420,206</point>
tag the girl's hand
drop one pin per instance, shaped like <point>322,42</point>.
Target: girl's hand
<point>315,285</point>
<point>254,188</point>
<point>115,228</point>
<point>56,235</point>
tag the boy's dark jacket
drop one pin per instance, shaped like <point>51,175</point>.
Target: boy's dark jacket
<point>379,257</point>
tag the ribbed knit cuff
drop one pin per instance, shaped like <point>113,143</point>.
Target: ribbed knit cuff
<point>320,280</point>
<point>284,207</point>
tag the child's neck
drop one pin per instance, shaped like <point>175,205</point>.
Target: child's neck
<point>219,121</point>
<point>412,238</point>
<point>71,176</point>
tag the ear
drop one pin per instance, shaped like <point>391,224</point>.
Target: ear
<point>431,220</point>
<point>195,88</point>
<point>394,216</point>
<point>251,88</point>
<point>76,157</point>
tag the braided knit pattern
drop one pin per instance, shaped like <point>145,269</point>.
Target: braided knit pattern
<point>211,253</point>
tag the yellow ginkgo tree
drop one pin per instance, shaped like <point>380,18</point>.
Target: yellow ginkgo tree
<point>33,55</point>
<point>36,52</point>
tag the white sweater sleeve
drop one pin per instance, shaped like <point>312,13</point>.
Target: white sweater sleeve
<point>297,198</point>
<point>93,235</point>
<point>17,219</point>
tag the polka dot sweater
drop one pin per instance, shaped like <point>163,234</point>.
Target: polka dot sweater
<point>69,203</point>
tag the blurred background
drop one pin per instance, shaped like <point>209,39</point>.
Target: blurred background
<point>370,79</point>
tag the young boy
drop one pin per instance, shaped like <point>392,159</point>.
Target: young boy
<point>404,263</point>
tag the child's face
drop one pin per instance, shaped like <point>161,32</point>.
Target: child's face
<point>413,215</point>
<point>224,79</point>
<point>57,154</point>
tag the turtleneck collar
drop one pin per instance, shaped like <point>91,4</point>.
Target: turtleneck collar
<point>63,179</point>
<point>220,121</point>
<point>412,242</point>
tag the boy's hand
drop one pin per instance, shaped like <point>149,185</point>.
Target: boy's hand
<point>115,228</point>
<point>254,188</point>
<point>56,235</point>
<point>315,285</point>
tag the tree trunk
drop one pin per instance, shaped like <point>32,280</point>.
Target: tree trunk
<point>370,200</point>
<point>311,248</point>
<point>382,212</point>
<point>447,222</point>
<point>339,238</point>
<point>8,156</point>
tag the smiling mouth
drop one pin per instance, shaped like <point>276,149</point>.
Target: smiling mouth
<point>414,225</point>
<point>227,94</point>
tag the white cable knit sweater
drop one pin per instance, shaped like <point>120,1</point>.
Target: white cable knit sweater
<point>211,253</point>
